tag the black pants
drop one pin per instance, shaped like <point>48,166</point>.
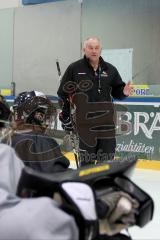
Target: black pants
<point>104,150</point>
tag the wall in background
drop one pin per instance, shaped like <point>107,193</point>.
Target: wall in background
<point>127,24</point>
<point>32,38</point>
<point>9,3</point>
<point>43,33</point>
<point>6,46</point>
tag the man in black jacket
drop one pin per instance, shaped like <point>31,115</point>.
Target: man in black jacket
<point>91,84</point>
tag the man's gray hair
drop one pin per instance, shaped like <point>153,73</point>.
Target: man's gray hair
<point>91,38</point>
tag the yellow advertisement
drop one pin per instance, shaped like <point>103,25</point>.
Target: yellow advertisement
<point>6,92</point>
<point>98,169</point>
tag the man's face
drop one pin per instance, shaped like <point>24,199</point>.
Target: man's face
<point>92,50</point>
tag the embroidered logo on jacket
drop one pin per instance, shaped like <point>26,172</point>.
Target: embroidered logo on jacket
<point>104,74</point>
<point>82,73</point>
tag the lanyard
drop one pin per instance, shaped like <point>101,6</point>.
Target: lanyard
<point>98,75</point>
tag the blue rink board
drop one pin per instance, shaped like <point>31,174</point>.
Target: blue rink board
<point>141,99</point>
<point>128,99</point>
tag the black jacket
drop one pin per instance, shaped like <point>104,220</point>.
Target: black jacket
<point>100,86</point>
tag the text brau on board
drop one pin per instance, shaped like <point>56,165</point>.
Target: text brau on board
<point>148,123</point>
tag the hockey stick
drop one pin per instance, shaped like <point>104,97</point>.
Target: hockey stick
<point>58,70</point>
<point>71,134</point>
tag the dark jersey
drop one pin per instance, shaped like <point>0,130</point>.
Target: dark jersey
<point>39,152</point>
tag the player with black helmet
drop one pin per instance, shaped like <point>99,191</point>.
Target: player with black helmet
<point>33,113</point>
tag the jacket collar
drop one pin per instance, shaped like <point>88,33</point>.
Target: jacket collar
<point>101,62</point>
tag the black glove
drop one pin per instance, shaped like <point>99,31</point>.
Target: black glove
<point>66,122</point>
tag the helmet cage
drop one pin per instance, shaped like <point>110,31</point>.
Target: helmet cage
<point>27,107</point>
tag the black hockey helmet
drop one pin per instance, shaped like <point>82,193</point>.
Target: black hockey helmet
<point>34,107</point>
